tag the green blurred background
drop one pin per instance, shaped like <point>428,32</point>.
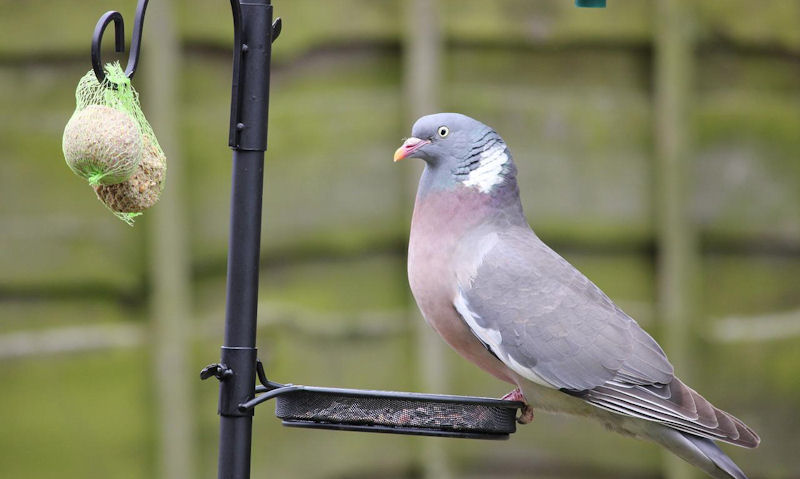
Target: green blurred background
<point>657,143</point>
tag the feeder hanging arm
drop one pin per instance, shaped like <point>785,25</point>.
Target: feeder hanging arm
<point>119,39</point>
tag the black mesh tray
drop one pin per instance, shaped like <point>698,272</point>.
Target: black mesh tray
<point>394,412</point>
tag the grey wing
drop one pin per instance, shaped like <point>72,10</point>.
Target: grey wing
<point>550,324</point>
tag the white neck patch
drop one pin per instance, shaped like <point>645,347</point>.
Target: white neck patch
<point>490,168</point>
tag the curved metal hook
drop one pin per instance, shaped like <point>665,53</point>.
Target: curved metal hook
<point>97,38</point>
<point>119,40</point>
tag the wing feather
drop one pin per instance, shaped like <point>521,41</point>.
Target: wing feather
<point>673,404</point>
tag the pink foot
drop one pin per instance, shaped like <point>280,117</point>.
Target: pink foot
<point>515,395</point>
<point>526,415</point>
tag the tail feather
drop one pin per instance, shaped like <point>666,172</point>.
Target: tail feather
<point>674,404</point>
<point>701,452</point>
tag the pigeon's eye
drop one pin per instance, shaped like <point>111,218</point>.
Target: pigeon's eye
<point>443,131</point>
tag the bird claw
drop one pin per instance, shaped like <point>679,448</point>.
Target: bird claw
<point>526,415</point>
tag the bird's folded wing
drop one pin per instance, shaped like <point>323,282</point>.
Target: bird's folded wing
<point>551,325</point>
<point>546,320</point>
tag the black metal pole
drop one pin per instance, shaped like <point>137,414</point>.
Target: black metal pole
<point>249,106</point>
<point>238,351</point>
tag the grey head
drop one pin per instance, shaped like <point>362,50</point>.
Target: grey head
<point>459,151</point>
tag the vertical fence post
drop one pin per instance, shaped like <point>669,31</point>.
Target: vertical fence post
<point>677,258</point>
<point>422,57</point>
<point>169,262</point>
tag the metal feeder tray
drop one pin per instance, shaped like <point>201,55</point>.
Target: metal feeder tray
<point>389,412</point>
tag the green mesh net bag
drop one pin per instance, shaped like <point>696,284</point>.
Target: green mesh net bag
<point>109,142</point>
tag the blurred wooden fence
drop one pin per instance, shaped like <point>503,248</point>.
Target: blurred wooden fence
<point>572,91</point>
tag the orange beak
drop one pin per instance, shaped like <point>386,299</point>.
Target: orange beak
<point>409,146</point>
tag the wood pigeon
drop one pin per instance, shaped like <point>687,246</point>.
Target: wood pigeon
<point>507,302</point>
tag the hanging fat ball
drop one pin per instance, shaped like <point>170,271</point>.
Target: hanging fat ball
<point>142,189</point>
<point>109,142</point>
<point>102,145</point>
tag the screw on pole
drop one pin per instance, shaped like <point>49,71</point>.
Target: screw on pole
<point>218,370</point>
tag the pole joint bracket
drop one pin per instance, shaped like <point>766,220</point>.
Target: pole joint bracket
<point>236,373</point>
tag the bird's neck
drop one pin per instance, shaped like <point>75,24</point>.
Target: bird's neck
<point>442,190</point>
<point>453,211</point>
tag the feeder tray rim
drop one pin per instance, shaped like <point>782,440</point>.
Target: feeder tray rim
<point>281,389</point>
